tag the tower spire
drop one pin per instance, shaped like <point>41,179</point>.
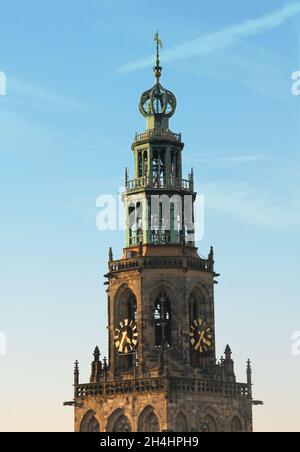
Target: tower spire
<point>158,68</point>
<point>157,104</point>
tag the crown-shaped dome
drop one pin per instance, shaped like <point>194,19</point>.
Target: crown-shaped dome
<point>158,101</point>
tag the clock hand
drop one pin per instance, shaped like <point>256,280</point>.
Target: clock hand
<point>200,340</point>
<point>122,341</point>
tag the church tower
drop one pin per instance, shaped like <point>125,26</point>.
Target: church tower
<point>162,373</point>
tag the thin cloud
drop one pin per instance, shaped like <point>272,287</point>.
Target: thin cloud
<point>41,95</point>
<point>222,39</point>
<point>231,159</point>
<point>252,205</point>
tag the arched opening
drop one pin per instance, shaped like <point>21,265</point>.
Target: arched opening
<point>125,312</point>
<point>201,320</point>
<point>155,167</point>
<point>159,170</point>
<point>162,165</point>
<point>89,423</point>
<point>145,164</point>
<point>119,422</point>
<point>140,164</point>
<point>148,421</point>
<point>131,224</point>
<point>181,423</point>
<point>236,425</point>
<point>162,319</point>
<point>125,305</point>
<point>209,424</point>
<point>135,222</point>
<point>139,222</point>
<point>199,306</point>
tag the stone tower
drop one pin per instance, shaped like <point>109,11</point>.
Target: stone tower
<point>162,373</point>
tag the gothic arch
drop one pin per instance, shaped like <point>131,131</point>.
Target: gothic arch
<point>210,420</point>
<point>163,310</point>
<point>181,423</point>
<point>89,423</point>
<point>162,284</point>
<point>119,422</point>
<point>148,421</point>
<point>125,304</point>
<point>209,424</point>
<point>204,289</point>
<point>236,425</point>
<point>200,302</point>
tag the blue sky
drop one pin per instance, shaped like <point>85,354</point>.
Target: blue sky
<point>75,71</point>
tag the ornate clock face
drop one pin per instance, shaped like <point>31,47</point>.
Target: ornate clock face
<point>126,336</point>
<point>201,336</point>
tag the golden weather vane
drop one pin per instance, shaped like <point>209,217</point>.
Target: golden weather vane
<point>158,41</point>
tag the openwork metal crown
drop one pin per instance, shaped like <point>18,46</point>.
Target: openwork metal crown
<point>158,100</point>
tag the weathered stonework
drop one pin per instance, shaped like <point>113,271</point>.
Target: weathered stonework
<point>182,394</point>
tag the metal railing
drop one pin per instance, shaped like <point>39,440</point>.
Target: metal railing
<point>164,134</point>
<point>158,183</point>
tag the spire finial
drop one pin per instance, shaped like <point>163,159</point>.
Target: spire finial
<point>249,378</point>
<point>228,353</point>
<point>158,68</point>
<point>76,367</point>
<point>249,369</point>
<point>76,373</point>
<point>97,354</point>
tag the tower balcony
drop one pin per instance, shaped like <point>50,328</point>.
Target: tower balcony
<point>160,183</point>
<point>157,135</point>
<point>163,384</point>
<point>146,262</point>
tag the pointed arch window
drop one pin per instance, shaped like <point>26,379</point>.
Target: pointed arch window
<point>199,306</point>
<point>236,425</point>
<point>119,422</point>
<point>162,317</point>
<point>209,425</point>
<point>148,421</point>
<point>181,423</point>
<point>89,423</point>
